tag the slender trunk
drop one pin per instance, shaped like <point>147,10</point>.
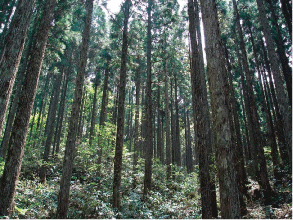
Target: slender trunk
<point>11,116</point>
<point>278,38</point>
<point>189,164</point>
<point>280,90</point>
<point>229,193</point>
<point>50,125</point>
<point>21,122</point>
<point>61,112</point>
<point>94,111</point>
<point>168,138</point>
<point>63,195</point>
<point>121,111</point>
<point>200,116</point>
<point>287,11</point>
<point>149,140</point>
<point>159,129</point>
<point>136,120</point>
<point>177,136</point>
<point>11,53</point>
<point>256,134</point>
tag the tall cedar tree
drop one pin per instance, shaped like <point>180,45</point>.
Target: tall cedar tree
<point>51,123</point>
<point>200,117</point>
<point>26,101</point>
<point>229,194</point>
<point>252,114</point>
<point>63,196</point>
<point>285,111</point>
<point>121,111</point>
<point>148,135</point>
<point>11,52</point>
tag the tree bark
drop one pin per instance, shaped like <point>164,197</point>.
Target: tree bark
<point>21,122</point>
<point>229,193</point>
<point>149,138</point>
<point>121,111</point>
<point>280,90</point>
<point>278,38</point>
<point>63,195</point>
<point>11,53</point>
<point>94,111</point>
<point>50,125</point>
<point>136,120</point>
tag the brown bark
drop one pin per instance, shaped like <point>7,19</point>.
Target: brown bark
<point>168,138</point>
<point>136,120</point>
<point>61,111</point>
<point>229,193</point>
<point>278,38</point>
<point>200,118</point>
<point>94,110</point>
<point>63,195</point>
<point>50,125</point>
<point>121,111</point>
<point>11,53</point>
<point>149,139</point>
<point>177,130</point>
<point>159,128</point>
<point>280,90</point>
<point>21,122</point>
<point>189,164</point>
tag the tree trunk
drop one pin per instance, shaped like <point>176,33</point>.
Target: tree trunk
<point>287,71</point>
<point>63,196</point>
<point>121,111</point>
<point>50,124</point>
<point>229,194</point>
<point>136,120</point>
<point>168,138</point>
<point>189,164</point>
<point>256,133</point>
<point>177,136</point>
<point>280,90</point>
<point>61,111</point>
<point>21,122</point>
<point>149,138</point>
<point>200,117</point>
<point>94,110</point>
<point>159,128</point>
<point>11,53</point>
<point>287,11</point>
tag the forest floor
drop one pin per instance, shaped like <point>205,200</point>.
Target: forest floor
<point>91,192</point>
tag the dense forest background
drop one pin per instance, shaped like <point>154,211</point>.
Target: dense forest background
<point>158,111</point>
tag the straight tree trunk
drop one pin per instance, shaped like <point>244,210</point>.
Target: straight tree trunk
<point>11,53</point>
<point>136,120</point>
<point>256,134</point>
<point>280,90</point>
<point>168,138</point>
<point>63,195</point>
<point>229,193</point>
<point>94,111</point>
<point>62,106</point>
<point>159,128</point>
<point>121,112</point>
<point>177,136</point>
<point>278,38</point>
<point>287,11</point>
<point>189,164</point>
<point>209,139</point>
<point>200,117</point>
<point>149,140</point>
<point>51,124</point>
<point>20,127</point>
